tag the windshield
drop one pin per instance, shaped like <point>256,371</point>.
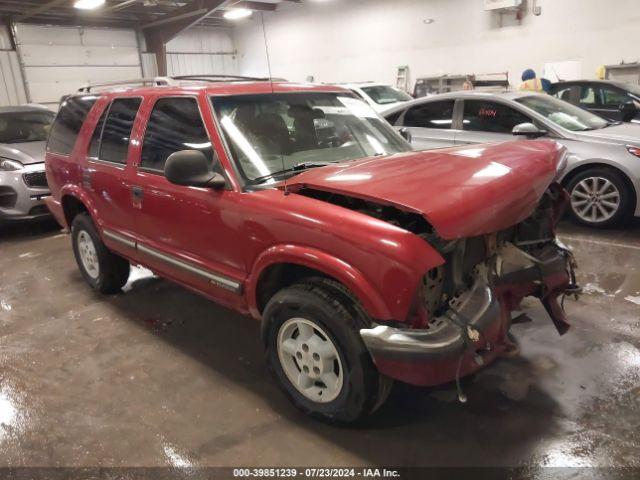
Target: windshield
<point>563,114</point>
<point>383,94</point>
<point>20,127</point>
<point>272,134</point>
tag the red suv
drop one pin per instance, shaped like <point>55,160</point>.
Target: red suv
<point>298,205</point>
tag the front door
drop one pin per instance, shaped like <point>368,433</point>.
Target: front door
<point>185,233</point>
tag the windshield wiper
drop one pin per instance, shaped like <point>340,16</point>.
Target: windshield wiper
<point>297,167</point>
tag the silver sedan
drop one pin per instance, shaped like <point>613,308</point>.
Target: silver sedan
<point>603,165</point>
<point>23,183</point>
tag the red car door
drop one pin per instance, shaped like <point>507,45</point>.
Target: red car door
<point>185,233</point>
<point>107,171</point>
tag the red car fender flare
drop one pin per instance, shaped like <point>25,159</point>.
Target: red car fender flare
<point>336,268</point>
<point>83,197</point>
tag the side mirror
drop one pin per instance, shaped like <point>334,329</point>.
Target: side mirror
<point>628,110</point>
<point>528,130</point>
<point>191,168</point>
<point>405,133</point>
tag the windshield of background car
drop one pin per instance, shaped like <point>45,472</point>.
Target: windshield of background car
<point>563,114</point>
<point>20,127</point>
<point>383,95</point>
<point>269,133</point>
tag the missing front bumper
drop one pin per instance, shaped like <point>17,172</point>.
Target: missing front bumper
<point>473,330</point>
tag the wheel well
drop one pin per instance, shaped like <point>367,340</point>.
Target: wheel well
<point>281,275</point>
<point>589,166</point>
<point>72,207</point>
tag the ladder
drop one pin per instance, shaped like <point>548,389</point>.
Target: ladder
<point>402,79</point>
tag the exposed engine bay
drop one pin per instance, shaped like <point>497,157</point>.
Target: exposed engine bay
<point>464,307</point>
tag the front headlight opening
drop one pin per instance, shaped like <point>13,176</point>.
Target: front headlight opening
<point>633,150</point>
<point>7,165</point>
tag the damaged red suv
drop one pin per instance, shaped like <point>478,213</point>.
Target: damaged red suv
<point>364,261</point>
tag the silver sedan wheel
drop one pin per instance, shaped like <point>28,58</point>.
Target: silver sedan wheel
<point>88,254</point>
<point>310,360</point>
<point>595,199</point>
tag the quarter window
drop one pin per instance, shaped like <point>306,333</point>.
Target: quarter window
<point>483,116</point>
<point>431,115</point>
<point>73,111</point>
<point>175,124</point>
<point>117,130</point>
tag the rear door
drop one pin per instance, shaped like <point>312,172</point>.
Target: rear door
<point>430,124</point>
<point>486,121</point>
<point>108,172</point>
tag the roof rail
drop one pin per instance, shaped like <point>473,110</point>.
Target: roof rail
<point>219,78</point>
<point>157,81</point>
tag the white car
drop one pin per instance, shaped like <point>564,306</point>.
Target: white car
<point>381,97</point>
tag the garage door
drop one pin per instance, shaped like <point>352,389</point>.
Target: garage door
<point>57,60</point>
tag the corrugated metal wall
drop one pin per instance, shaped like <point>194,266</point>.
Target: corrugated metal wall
<point>57,60</point>
<point>11,83</point>
<point>202,51</point>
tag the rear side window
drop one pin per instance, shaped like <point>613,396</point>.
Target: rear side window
<point>65,129</point>
<point>175,124</point>
<point>431,115</point>
<point>117,129</point>
<point>483,116</point>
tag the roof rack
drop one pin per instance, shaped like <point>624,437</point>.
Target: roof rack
<point>166,81</point>
<point>219,78</point>
<point>157,81</point>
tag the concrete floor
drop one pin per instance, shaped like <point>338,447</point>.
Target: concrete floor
<point>158,376</point>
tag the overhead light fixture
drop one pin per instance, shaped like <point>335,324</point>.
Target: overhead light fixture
<point>237,13</point>
<point>88,4</point>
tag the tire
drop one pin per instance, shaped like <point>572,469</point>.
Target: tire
<point>328,310</point>
<point>102,269</point>
<point>596,191</point>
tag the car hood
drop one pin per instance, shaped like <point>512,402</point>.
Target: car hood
<point>462,192</point>
<point>26,153</point>
<point>624,133</point>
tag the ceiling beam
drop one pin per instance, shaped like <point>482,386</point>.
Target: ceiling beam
<point>118,6</point>
<point>41,9</point>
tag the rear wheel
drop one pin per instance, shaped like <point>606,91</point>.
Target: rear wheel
<point>599,197</point>
<point>314,349</point>
<point>102,269</point>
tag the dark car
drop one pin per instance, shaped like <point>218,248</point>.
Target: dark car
<point>363,261</point>
<point>616,101</point>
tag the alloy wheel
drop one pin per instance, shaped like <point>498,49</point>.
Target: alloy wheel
<point>310,360</point>
<point>595,199</point>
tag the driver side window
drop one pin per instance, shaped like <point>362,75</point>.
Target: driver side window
<point>175,124</point>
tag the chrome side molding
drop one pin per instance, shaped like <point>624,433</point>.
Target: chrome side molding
<point>212,277</point>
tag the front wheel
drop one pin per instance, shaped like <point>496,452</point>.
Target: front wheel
<point>314,349</point>
<point>102,269</point>
<point>599,197</point>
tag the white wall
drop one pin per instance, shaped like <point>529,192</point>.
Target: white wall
<point>12,90</point>
<point>357,40</point>
<point>202,51</point>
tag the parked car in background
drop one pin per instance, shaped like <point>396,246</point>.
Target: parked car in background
<point>603,166</point>
<point>617,101</point>
<point>305,209</point>
<point>23,183</point>
<point>379,96</point>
